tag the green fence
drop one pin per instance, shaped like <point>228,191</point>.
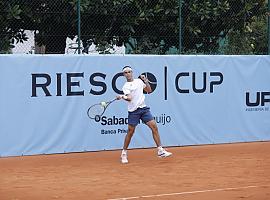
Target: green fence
<point>135,26</point>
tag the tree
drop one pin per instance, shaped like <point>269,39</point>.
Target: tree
<point>52,21</point>
<point>10,15</point>
<point>206,22</point>
<point>252,40</point>
<point>115,22</point>
<point>153,24</point>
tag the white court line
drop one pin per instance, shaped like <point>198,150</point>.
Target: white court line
<point>191,192</point>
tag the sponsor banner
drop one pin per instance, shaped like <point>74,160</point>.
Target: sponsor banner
<point>195,100</point>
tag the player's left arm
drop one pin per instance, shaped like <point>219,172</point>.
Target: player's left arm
<point>147,87</point>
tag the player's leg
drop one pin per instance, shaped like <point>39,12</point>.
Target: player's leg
<point>148,119</point>
<point>133,121</point>
<point>131,130</point>
<point>153,126</point>
<point>124,156</point>
<point>151,123</point>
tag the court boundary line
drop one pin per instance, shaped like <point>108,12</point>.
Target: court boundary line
<point>190,192</point>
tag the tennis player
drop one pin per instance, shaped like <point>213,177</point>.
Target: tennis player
<point>137,110</point>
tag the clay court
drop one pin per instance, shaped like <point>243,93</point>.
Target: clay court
<point>228,171</point>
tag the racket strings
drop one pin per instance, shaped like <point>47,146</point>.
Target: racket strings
<point>136,73</point>
<point>96,110</point>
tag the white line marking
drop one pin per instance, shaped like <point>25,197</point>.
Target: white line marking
<point>191,192</point>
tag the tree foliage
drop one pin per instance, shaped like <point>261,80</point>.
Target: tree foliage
<point>252,40</point>
<point>206,22</point>
<point>10,15</point>
<point>152,24</point>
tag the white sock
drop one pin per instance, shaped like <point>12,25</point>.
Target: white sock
<point>160,148</point>
<point>124,151</point>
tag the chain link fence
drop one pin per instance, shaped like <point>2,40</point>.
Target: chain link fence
<point>134,26</point>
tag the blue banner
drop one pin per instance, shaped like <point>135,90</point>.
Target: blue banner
<point>195,100</point>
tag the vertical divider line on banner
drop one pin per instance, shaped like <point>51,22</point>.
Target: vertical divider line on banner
<point>165,83</point>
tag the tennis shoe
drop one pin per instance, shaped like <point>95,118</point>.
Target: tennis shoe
<point>163,153</point>
<point>124,159</point>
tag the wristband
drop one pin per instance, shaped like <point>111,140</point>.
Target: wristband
<point>124,97</point>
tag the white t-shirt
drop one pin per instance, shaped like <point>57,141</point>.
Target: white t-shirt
<point>135,89</point>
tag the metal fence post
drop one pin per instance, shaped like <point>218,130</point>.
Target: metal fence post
<point>268,27</point>
<point>79,25</point>
<point>180,26</point>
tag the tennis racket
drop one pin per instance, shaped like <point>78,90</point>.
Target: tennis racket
<point>97,110</point>
<point>148,75</point>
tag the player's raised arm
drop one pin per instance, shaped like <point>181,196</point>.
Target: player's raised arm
<point>147,88</point>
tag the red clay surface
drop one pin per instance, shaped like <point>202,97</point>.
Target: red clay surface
<point>224,172</point>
